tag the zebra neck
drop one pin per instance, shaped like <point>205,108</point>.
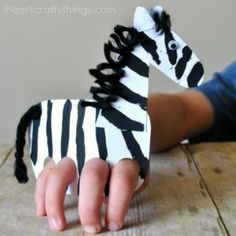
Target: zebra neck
<point>134,84</point>
<point>123,80</point>
<point>129,111</point>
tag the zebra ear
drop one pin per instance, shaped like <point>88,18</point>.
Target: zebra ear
<point>157,9</point>
<point>142,19</point>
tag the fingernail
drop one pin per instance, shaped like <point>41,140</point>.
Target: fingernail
<point>53,224</point>
<point>113,226</point>
<point>92,229</point>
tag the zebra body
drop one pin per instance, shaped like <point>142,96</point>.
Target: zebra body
<point>114,124</point>
<point>67,129</point>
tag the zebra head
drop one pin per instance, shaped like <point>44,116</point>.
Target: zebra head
<point>169,53</point>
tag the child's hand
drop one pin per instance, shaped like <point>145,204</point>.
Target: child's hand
<point>54,179</point>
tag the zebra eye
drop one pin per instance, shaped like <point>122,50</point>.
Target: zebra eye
<point>173,45</point>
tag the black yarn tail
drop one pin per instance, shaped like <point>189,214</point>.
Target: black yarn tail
<point>20,168</point>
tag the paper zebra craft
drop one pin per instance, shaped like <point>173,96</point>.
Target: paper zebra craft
<point>114,124</point>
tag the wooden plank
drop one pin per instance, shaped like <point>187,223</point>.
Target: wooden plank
<point>216,163</point>
<point>17,205</point>
<point>175,203</point>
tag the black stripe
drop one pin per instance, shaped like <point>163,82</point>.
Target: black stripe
<point>101,141</point>
<point>80,137</point>
<point>136,153</point>
<point>172,54</point>
<point>195,74</point>
<point>121,121</point>
<point>80,152</point>
<point>182,63</point>
<point>137,65</point>
<point>34,147</point>
<point>107,186</point>
<point>150,46</point>
<point>97,112</point>
<point>49,128</point>
<point>65,128</point>
<point>132,97</point>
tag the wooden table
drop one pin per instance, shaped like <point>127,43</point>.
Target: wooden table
<point>192,191</point>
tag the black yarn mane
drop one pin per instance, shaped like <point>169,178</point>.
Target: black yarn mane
<point>125,38</point>
<point>20,168</point>
<point>163,21</point>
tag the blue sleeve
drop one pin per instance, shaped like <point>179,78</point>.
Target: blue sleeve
<point>221,92</point>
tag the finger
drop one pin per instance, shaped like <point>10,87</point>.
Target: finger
<point>60,177</point>
<point>41,188</point>
<point>124,179</point>
<point>92,183</point>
